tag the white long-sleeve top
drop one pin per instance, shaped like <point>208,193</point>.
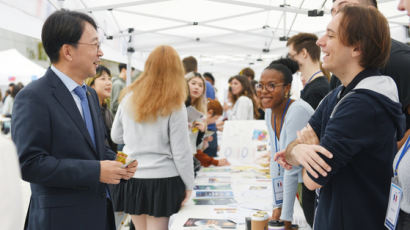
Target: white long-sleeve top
<point>161,147</point>
<point>242,110</point>
<point>403,173</point>
<point>8,105</point>
<point>11,205</point>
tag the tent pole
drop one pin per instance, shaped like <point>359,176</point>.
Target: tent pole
<point>129,56</point>
<point>130,51</point>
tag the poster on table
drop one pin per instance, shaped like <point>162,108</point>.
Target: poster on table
<point>244,142</point>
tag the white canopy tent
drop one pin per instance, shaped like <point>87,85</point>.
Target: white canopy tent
<point>224,35</point>
<point>17,68</point>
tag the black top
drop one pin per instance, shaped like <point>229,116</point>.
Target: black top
<point>261,114</point>
<point>361,134</point>
<point>108,119</point>
<point>398,67</point>
<point>315,91</point>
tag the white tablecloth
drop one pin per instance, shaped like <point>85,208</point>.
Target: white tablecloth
<point>248,201</point>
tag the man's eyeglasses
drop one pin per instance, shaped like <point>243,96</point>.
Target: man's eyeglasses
<point>270,86</point>
<point>97,44</point>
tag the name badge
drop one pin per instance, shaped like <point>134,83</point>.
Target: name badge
<point>393,209</point>
<point>277,183</point>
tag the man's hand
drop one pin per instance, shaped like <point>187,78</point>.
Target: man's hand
<point>111,172</point>
<point>281,159</point>
<point>131,170</point>
<point>187,196</point>
<point>308,157</point>
<point>307,136</point>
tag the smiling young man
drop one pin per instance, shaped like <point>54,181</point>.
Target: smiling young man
<point>397,66</point>
<point>60,135</point>
<point>357,125</point>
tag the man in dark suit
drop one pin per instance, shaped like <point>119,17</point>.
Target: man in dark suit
<point>59,133</point>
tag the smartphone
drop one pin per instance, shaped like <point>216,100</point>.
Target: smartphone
<point>128,163</point>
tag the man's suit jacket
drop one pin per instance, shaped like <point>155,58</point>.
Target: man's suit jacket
<point>58,158</point>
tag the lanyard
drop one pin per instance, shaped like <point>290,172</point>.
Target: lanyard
<point>313,76</point>
<point>405,148</point>
<point>281,124</point>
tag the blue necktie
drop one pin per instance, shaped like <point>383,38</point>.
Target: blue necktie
<point>81,92</point>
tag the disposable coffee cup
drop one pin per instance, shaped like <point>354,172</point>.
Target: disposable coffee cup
<point>259,222</point>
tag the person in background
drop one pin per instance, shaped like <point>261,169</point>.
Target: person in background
<point>213,144</point>
<point>152,123</point>
<point>102,84</point>
<point>20,85</point>
<point>404,5</point>
<point>191,65</point>
<point>351,137</point>
<point>248,72</point>
<point>214,112</point>
<point>401,170</point>
<point>302,48</point>
<point>8,91</point>
<point>284,117</point>
<point>7,109</point>
<point>197,100</point>
<point>11,205</point>
<point>401,163</point>
<point>2,99</point>
<point>244,104</point>
<point>196,91</point>
<point>118,84</point>
<point>210,78</point>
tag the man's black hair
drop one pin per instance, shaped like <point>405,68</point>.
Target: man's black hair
<point>63,27</point>
<point>207,74</point>
<point>122,66</point>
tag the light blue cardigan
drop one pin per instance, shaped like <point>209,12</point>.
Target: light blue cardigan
<point>296,118</point>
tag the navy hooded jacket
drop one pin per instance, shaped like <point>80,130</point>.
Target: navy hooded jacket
<point>360,125</point>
